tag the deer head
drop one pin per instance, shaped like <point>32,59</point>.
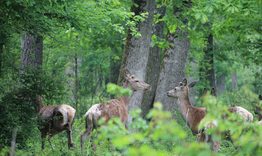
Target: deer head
<point>181,90</point>
<point>135,83</point>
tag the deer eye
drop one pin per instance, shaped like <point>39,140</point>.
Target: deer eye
<point>175,89</point>
<point>136,80</point>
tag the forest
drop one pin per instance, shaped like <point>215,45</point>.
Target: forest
<point>130,77</point>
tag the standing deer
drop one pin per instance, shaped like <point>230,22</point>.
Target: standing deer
<point>194,115</point>
<point>113,108</point>
<point>55,119</point>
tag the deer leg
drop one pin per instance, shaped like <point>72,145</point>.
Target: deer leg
<point>126,125</point>
<point>43,143</point>
<point>69,136</point>
<point>84,136</point>
<point>49,137</point>
<point>43,137</point>
<point>89,128</point>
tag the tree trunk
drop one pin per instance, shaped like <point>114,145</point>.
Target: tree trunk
<point>234,81</point>
<point>1,58</point>
<point>114,71</point>
<point>207,72</point>
<point>221,83</point>
<point>173,70</point>
<point>137,48</point>
<point>3,39</point>
<point>194,92</point>
<point>76,86</point>
<point>32,52</point>
<point>153,66</point>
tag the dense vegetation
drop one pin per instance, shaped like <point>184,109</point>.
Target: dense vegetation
<point>72,51</point>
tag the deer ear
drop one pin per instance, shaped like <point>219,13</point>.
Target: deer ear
<point>184,82</point>
<point>127,72</point>
<point>192,84</point>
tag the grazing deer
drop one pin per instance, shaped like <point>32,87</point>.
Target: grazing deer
<point>113,108</point>
<point>242,112</point>
<point>55,119</point>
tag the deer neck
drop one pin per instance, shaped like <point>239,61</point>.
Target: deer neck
<point>126,99</point>
<point>184,106</point>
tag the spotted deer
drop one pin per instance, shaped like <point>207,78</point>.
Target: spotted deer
<point>113,108</point>
<point>55,119</point>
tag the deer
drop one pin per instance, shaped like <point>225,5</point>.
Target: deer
<point>54,119</point>
<point>113,108</point>
<point>194,115</point>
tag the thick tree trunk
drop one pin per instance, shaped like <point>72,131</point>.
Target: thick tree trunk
<point>137,48</point>
<point>173,70</point>
<point>207,72</point>
<point>153,66</point>
<point>32,51</point>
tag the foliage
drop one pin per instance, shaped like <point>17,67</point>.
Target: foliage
<point>83,47</point>
<point>245,135</point>
<point>117,90</point>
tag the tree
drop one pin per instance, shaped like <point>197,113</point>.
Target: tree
<point>175,58</point>
<point>137,48</point>
<point>153,64</point>
<point>207,71</point>
<point>32,52</point>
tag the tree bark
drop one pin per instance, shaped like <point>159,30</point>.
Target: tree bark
<point>173,70</point>
<point>76,87</point>
<point>153,66</point>
<point>221,83</point>
<point>207,71</point>
<point>234,80</point>
<point>32,52</point>
<point>3,39</point>
<point>114,71</point>
<point>137,48</point>
<point>1,58</point>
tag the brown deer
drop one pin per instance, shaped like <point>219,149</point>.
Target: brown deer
<point>55,119</point>
<point>194,115</point>
<point>113,108</point>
